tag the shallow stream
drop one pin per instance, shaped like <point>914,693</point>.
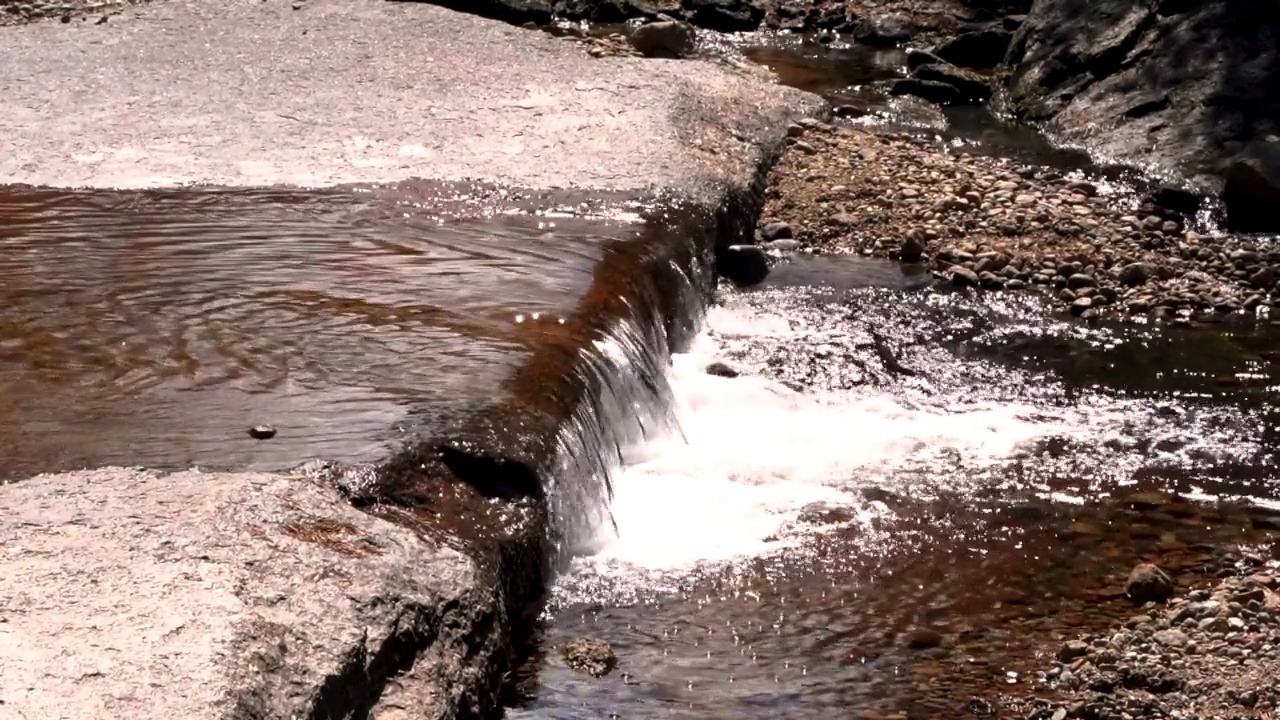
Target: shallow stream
<point>909,496</point>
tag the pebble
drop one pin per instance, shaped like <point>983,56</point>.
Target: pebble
<point>262,432</point>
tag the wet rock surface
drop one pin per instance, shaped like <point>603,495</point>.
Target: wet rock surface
<point>1119,76</point>
<point>1098,246</point>
<point>120,585</point>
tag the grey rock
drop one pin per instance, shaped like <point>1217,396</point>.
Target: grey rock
<point>776,231</point>
<point>1111,73</point>
<point>785,245</point>
<point>884,30</point>
<point>218,595</point>
<point>665,39</point>
<point>1171,638</point>
<point>1148,583</point>
<point>1137,273</point>
<point>1082,305</point>
<point>474,112</point>
<point>1080,280</point>
<point>1073,650</point>
<point>963,277</point>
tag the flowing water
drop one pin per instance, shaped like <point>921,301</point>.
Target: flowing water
<point>155,328</point>
<point>908,496</point>
<point>903,483</point>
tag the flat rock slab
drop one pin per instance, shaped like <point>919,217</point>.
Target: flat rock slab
<point>129,594</point>
<point>253,92</point>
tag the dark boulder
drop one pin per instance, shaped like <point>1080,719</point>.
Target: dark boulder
<point>916,58</point>
<point>1148,583</point>
<point>1183,202</point>
<point>1179,86</point>
<point>883,30</point>
<point>724,15</point>
<point>981,49</point>
<point>971,86</point>
<point>665,39</point>
<point>745,265</point>
<point>1252,196</point>
<point>935,92</point>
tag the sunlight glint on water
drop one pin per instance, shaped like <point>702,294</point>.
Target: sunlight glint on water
<point>754,454</point>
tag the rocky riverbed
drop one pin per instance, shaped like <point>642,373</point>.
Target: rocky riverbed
<point>1100,247</point>
<point>1210,652</point>
<point>14,12</point>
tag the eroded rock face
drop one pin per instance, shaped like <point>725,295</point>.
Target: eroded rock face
<point>192,595</point>
<point>1185,86</point>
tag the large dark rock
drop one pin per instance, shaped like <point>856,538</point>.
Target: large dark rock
<point>971,86</point>
<point>1252,195</point>
<point>980,49</point>
<point>917,58</point>
<point>745,265</point>
<point>883,30</point>
<point>1179,85</point>
<point>665,39</point>
<point>935,92</point>
<point>1148,583</point>
<point>724,15</point>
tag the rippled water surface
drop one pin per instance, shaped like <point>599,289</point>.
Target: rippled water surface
<point>906,495</point>
<point>155,328</point>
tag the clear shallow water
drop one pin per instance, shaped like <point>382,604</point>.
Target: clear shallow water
<point>894,461</point>
<point>155,328</point>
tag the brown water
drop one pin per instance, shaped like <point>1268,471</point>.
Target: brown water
<point>154,328</point>
<point>908,501</point>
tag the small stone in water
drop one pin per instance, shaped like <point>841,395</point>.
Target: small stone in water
<point>720,369</point>
<point>593,657</point>
<point>262,432</point>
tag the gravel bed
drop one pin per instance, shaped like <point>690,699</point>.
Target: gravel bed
<point>1098,247</point>
<point>1210,653</point>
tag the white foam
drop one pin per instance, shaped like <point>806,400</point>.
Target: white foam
<point>753,454</point>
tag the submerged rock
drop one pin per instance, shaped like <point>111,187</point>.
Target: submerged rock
<point>591,657</point>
